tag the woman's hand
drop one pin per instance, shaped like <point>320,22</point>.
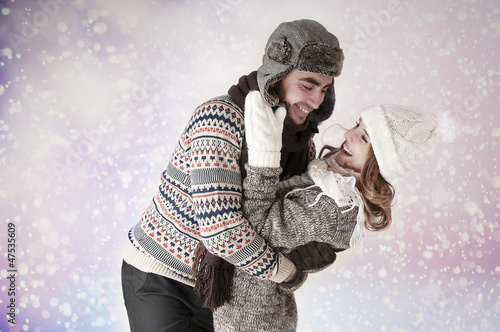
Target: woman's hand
<point>263,131</point>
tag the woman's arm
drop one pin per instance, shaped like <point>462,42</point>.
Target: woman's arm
<point>263,136</point>
<point>291,221</point>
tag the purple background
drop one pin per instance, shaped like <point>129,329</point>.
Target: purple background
<point>94,94</point>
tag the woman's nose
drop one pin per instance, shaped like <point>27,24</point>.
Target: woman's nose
<point>348,135</point>
<point>352,135</point>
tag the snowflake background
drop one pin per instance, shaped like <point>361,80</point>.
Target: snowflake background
<point>94,94</point>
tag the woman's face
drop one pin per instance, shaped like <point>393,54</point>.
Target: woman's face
<point>356,148</point>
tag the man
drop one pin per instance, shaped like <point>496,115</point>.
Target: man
<point>199,197</point>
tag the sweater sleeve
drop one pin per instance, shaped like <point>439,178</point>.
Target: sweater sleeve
<point>216,186</point>
<point>291,221</point>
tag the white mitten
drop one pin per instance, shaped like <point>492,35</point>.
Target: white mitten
<point>263,131</point>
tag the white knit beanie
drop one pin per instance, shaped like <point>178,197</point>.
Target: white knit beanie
<point>401,137</point>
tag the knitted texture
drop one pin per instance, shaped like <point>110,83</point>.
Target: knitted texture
<point>401,137</point>
<point>200,199</point>
<point>286,222</point>
<point>263,131</point>
<point>302,45</point>
<point>298,147</point>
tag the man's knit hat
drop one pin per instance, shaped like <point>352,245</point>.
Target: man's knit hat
<point>401,137</point>
<point>302,45</point>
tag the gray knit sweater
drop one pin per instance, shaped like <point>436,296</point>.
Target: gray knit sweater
<point>286,222</point>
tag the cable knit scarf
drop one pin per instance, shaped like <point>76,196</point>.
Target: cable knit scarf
<point>339,184</point>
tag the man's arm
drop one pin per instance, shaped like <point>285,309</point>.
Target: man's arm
<point>217,194</point>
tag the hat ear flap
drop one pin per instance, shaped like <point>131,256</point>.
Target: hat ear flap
<point>279,50</point>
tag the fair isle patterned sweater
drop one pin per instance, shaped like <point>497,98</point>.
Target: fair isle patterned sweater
<point>200,199</point>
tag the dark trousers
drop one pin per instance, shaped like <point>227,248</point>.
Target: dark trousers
<point>159,304</point>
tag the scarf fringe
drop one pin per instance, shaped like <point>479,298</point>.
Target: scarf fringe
<point>214,278</point>
<point>339,184</point>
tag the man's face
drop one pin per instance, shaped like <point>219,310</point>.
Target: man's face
<point>302,92</point>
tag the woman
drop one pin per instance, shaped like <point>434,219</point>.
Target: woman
<point>342,194</point>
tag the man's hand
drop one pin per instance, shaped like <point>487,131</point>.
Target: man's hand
<point>313,256</point>
<point>294,281</point>
<point>292,276</point>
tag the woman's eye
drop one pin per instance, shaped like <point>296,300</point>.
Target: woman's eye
<point>364,139</point>
<point>357,124</point>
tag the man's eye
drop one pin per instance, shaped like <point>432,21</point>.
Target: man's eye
<point>307,87</point>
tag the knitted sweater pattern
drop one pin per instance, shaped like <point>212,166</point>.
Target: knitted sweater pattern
<point>199,198</point>
<point>286,221</point>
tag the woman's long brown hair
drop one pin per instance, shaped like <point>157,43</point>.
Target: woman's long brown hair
<point>376,192</point>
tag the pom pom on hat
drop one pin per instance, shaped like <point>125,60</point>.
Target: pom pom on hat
<point>447,128</point>
<point>401,137</point>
